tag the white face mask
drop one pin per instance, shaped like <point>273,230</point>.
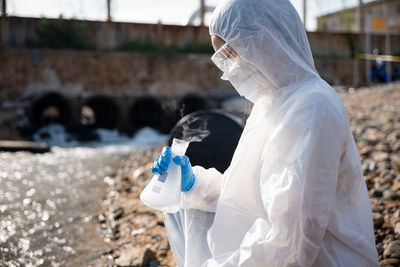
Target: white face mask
<point>246,79</point>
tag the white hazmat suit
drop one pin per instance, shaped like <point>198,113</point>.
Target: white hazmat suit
<point>294,193</point>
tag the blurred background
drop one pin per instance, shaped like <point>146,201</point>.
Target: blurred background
<point>90,90</point>
<point>98,64</point>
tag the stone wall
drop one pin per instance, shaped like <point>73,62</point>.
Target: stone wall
<point>18,32</point>
<point>26,32</point>
<point>26,71</point>
<point>26,68</point>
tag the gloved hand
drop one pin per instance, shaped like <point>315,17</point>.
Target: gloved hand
<point>161,164</point>
<point>186,172</point>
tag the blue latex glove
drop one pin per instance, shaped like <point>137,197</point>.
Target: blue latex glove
<point>161,163</point>
<point>186,172</point>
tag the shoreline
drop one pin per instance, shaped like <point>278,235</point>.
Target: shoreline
<point>134,231</point>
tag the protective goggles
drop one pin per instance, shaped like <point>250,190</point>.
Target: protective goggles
<point>225,57</point>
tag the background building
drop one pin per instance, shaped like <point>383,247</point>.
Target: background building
<point>349,19</point>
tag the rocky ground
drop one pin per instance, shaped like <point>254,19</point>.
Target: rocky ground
<point>136,233</point>
<point>374,115</point>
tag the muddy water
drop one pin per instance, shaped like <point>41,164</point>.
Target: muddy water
<point>48,204</point>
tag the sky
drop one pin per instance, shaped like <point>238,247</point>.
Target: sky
<point>149,11</point>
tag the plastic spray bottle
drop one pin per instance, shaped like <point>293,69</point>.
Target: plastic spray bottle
<point>163,192</point>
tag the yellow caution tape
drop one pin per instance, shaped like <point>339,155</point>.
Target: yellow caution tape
<point>380,57</point>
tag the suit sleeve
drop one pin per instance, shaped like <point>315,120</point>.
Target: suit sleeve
<point>205,191</point>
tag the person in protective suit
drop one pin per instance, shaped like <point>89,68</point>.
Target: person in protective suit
<point>294,193</point>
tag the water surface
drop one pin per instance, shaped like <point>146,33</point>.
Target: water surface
<point>48,202</point>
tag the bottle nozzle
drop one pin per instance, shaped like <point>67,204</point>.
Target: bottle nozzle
<point>179,146</point>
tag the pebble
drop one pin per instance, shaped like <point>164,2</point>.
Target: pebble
<point>392,250</point>
<point>154,263</point>
<point>101,219</point>
<point>118,213</point>
<point>397,213</point>
<point>383,165</point>
<point>375,193</point>
<point>390,262</point>
<point>383,147</point>
<point>380,156</point>
<point>378,219</point>
<point>138,231</point>
<point>135,256</point>
<point>397,228</point>
<point>164,246</point>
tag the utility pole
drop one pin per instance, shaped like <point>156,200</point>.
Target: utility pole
<point>305,14</point>
<point>202,11</point>
<point>361,16</point>
<point>108,10</point>
<point>361,41</point>
<point>3,8</point>
<point>2,21</point>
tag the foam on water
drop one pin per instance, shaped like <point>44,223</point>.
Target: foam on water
<point>149,137</point>
<point>57,135</point>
